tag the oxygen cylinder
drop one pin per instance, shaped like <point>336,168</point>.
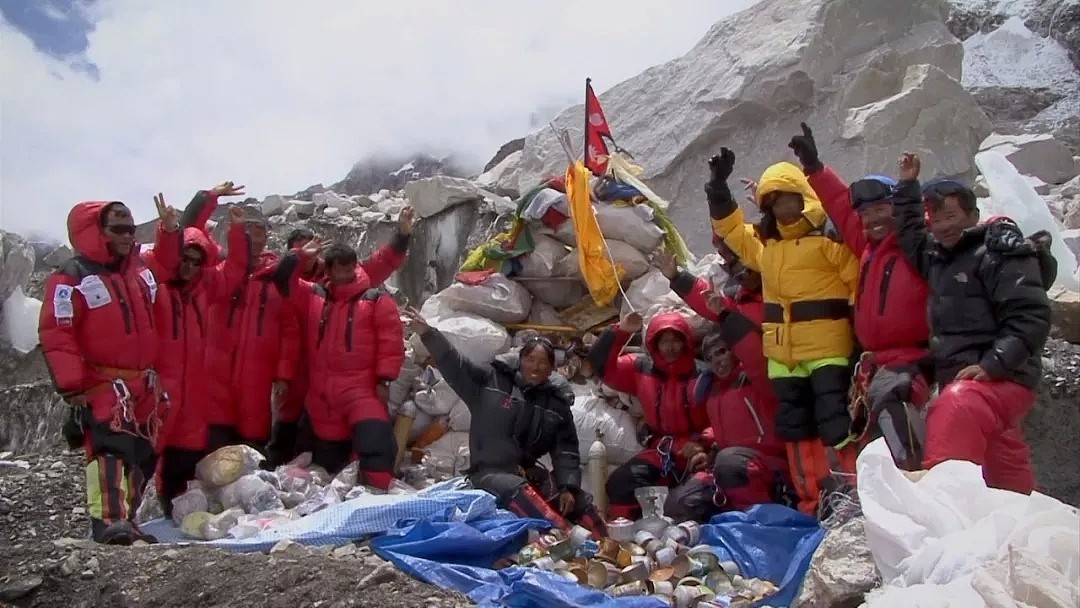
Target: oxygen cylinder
<point>598,472</point>
<point>402,427</point>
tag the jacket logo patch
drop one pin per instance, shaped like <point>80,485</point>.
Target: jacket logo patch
<point>94,290</point>
<point>63,308</point>
<point>506,403</point>
<point>151,283</point>
<point>961,277</point>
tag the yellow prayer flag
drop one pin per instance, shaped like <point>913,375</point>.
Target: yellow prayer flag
<point>601,275</point>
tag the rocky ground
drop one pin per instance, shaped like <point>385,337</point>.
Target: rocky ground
<point>45,559</point>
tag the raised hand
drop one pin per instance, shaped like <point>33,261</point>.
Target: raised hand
<point>721,165</point>
<point>405,221</point>
<point>227,189</point>
<point>751,190</point>
<point>417,322</point>
<point>805,149</point>
<point>167,215</point>
<point>632,323</point>
<point>236,214</point>
<point>667,264</point>
<point>313,247</point>
<point>910,165</point>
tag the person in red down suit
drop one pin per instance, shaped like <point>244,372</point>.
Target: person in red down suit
<point>253,345</point>
<point>199,280</point>
<point>750,464</point>
<point>291,433</point>
<point>891,384</point>
<point>663,380</point>
<point>98,335</point>
<point>355,347</point>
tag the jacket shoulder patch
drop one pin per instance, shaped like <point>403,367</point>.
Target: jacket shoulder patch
<point>151,283</point>
<point>63,307</point>
<point>94,291</point>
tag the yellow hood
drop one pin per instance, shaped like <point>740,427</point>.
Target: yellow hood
<point>786,177</point>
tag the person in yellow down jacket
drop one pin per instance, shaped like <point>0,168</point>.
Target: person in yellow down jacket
<point>809,279</point>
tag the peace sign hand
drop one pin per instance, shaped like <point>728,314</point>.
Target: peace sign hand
<point>167,215</point>
<point>227,189</point>
<point>416,320</point>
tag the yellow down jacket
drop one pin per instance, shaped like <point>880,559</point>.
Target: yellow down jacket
<point>808,278</point>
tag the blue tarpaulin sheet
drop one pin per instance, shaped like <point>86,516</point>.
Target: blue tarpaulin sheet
<point>449,537</point>
<point>771,542</point>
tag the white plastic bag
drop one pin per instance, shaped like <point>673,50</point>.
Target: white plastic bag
<point>448,454</point>
<point>948,539</point>
<point>543,313</point>
<point>633,261</point>
<point>632,224</point>
<point>542,260</point>
<point>618,427</point>
<point>326,497</point>
<point>651,295</point>
<point>250,493</point>
<point>403,385</point>
<point>477,338</point>
<point>194,499</point>
<point>459,418</point>
<point>19,322</point>
<point>557,293</point>
<point>218,526</point>
<point>497,298</point>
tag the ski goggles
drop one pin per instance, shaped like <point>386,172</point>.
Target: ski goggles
<point>866,191</point>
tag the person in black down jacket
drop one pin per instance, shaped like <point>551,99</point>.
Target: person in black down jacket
<point>989,320</point>
<point>520,411</point>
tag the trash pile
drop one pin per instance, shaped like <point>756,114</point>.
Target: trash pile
<point>651,557</point>
<point>233,496</point>
<point>529,280</point>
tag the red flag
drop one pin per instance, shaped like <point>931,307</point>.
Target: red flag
<point>596,129</point>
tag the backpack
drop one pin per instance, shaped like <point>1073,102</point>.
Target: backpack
<point>1003,237</point>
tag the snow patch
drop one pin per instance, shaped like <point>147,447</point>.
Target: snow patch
<point>1014,56</point>
<point>409,166</point>
<point>998,7</point>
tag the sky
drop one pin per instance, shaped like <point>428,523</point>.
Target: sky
<point>121,99</point>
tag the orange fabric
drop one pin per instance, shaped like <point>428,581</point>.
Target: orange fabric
<point>808,465</point>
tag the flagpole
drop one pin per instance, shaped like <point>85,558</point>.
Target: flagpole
<point>585,129</point>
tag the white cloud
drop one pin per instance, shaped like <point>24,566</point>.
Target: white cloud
<point>279,95</point>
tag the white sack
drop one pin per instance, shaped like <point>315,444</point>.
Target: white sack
<point>543,313</point>
<point>497,298</point>
<point>404,383</point>
<point>633,261</point>
<point>651,295</point>
<point>543,259</point>
<point>438,399</point>
<point>449,454</point>
<point>948,540</point>
<point>619,429</point>
<point>557,293</point>
<point>631,224</point>
<point>459,418</point>
<point>477,338</point>
<point>19,323</point>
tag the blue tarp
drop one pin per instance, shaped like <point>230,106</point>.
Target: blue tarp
<point>449,537</point>
<point>768,541</point>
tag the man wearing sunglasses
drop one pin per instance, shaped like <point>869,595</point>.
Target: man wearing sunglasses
<point>100,341</point>
<point>890,388</point>
<point>989,320</point>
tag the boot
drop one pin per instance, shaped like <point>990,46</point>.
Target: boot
<point>528,503</point>
<point>117,533</point>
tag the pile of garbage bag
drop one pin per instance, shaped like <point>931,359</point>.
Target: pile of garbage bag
<point>233,496</point>
<point>528,281</point>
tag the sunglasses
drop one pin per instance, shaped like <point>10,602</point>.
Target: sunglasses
<point>866,191</point>
<point>121,229</point>
<point>542,341</point>
<point>196,262</point>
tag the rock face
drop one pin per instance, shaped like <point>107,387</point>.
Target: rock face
<point>1065,308</point>
<point>842,67</point>
<point>1056,19</point>
<point>1040,156</point>
<point>375,174</point>
<point>842,571</point>
<point>32,418</point>
<point>16,263</point>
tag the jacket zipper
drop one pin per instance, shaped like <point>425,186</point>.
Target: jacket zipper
<point>262,308</point>
<point>883,294</point>
<point>175,315</point>
<point>234,304</point>
<point>757,420</point>
<point>862,278</point>
<point>125,310</point>
<point>349,325</point>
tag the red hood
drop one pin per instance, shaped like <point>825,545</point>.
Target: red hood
<point>675,322</point>
<point>193,237</point>
<point>84,232</point>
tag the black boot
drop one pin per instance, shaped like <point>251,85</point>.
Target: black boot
<point>117,533</point>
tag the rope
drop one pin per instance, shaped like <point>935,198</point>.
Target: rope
<point>843,506</point>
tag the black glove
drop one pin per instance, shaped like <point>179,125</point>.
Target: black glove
<point>721,203</point>
<point>806,149</point>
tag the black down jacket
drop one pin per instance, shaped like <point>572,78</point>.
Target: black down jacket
<point>513,424</point>
<point>988,304</point>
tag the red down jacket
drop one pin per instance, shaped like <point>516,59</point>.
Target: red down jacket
<point>354,339</point>
<point>742,415</point>
<point>665,390</point>
<point>890,301</point>
<point>375,270</point>
<point>183,334</point>
<point>97,322</point>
